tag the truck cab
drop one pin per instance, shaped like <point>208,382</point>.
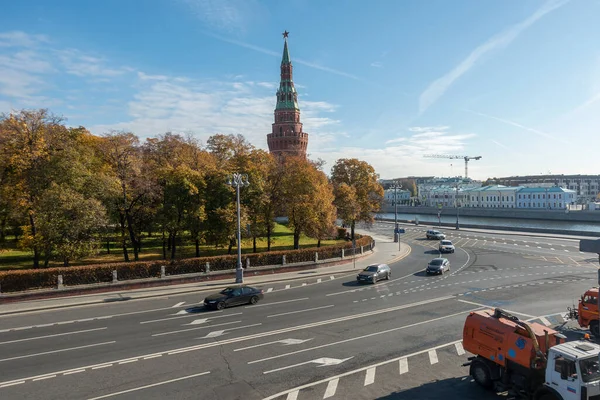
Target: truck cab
<point>586,313</point>
<point>572,372</point>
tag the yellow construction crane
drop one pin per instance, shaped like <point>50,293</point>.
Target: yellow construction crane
<point>466,158</point>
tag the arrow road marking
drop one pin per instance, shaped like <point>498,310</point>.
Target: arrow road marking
<point>219,333</point>
<point>192,329</point>
<point>323,362</point>
<point>285,342</point>
<point>178,304</point>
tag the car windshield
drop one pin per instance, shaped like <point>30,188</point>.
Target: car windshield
<point>590,369</point>
<point>437,261</point>
<point>372,268</point>
<point>446,243</point>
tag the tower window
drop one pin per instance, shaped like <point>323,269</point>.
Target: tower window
<point>280,130</point>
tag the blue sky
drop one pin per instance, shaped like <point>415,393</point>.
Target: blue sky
<point>388,81</point>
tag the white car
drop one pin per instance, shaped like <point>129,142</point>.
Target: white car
<point>446,246</point>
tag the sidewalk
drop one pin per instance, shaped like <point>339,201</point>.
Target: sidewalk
<point>386,251</point>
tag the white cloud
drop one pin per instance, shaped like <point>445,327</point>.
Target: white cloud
<point>226,15</point>
<point>376,64</point>
<point>428,128</point>
<point>438,87</point>
<point>21,39</point>
<point>82,65</point>
<point>397,140</point>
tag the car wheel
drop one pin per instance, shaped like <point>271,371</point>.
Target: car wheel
<point>389,276</point>
<point>374,280</point>
<point>253,300</point>
<point>595,328</point>
<point>220,305</point>
<point>481,374</point>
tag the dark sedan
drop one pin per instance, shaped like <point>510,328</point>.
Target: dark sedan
<point>233,296</point>
<point>375,272</point>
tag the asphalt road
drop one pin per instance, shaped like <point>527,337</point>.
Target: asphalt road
<point>312,339</point>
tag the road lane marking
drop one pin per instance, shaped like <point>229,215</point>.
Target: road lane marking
<point>459,348</point>
<point>299,311</point>
<point>545,321</point>
<point>214,334</point>
<point>99,367</point>
<point>363,336</point>
<point>254,336</point>
<point>194,329</point>
<point>44,377</point>
<point>149,386</point>
<point>12,384</point>
<point>278,302</point>
<point>403,365</point>
<point>370,376</point>
<point>331,388</point>
<point>74,372</point>
<point>179,304</point>
<point>288,286</point>
<point>188,315</point>
<point>433,358</point>
<point>332,277</point>
<point>319,280</point>
<point>57,351</point>
<point>54,335</point>
<point>269,290</point>
<point>489,306</point>
<point>337,377</point>
<point>292,395</point>
<point>286,342</point>
<point>153,356</point>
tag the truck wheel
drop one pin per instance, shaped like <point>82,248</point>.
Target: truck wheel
<point>481,374</point>
<point>547,396</point>
<point>595,328</point>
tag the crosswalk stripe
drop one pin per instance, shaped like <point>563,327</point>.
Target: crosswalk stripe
<point>288,286</point>
<point>269,289</point>
<point>331,388</point>
<point>319,280</point>
<point>292,395</point>
<point>459,348</point>
<point>403,365</point>
<point>332,277</point>
<point>433,358</point>
<point>370,377</point>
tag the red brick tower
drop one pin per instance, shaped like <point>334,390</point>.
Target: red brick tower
<point>287,137</point>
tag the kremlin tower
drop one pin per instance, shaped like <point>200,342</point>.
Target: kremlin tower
<point>287,137</point>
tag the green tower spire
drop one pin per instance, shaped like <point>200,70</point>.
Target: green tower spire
<point>287,98</point>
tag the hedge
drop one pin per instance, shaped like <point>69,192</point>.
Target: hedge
<point>21,280</point>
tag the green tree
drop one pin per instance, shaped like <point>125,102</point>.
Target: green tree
<point>69,224</point>
<point>364,191</point>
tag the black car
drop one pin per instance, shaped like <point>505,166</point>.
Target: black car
<point>374,272</point>
<point>233,296</point>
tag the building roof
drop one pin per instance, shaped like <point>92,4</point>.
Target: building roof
<point>286,54</point>
<point>553,189</point>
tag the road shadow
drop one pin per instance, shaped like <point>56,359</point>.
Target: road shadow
<point>462,388</point>
<point>115,299</point>
<point>355,284</point>
<point>197,310</point>
<point>432,251</point>
<point>421,273</point>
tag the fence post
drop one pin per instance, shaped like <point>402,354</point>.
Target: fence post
<point>162,272</point>
<point>361,249</point>
<point>316,256</point>
<point>248,262</point>
<point>283,260</point>
<point>207,269</point>
<point>342,254</point>
<point>60,282</point>
<point>115,276</point>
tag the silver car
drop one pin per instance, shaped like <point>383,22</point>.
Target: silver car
<point>374,272</point>
<point>446,246</point>
<point>438,266</point>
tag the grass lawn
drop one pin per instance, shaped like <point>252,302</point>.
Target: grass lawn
<point>282,239</point>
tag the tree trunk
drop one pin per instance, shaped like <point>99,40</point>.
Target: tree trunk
<point>352,230</point>
<point>66,262</point>
<point>134,241</point>
<point>164,246</point>
<point>123,236</point>
<point>318,242</point>
<point>296,239</point>
<point>3,228</point>
<point>107,245</point>
<point>173,245</point>
<point>268,237</point>
<point>254,244</point>
<point>231,243</point>
<point>169,242</point>
<point>197,247</point>
<point>36,250</point>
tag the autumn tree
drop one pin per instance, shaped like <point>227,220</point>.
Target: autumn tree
<point>305,191</point>
<point>358,193</point>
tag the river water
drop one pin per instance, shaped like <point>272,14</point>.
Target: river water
<point>498,222</point>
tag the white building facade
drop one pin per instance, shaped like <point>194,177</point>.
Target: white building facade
<point>402,195</point>
<point>546,198</point>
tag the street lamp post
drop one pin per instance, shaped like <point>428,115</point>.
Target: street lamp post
<point>238,180</point>
<point>396,234</point>
<point>456,205</point>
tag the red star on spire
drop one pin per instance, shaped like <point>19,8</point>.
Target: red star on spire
<point>285,34</point>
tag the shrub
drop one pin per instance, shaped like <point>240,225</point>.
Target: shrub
<point>21,280</point>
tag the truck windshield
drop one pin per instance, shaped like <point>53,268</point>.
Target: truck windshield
<point>590,369</point>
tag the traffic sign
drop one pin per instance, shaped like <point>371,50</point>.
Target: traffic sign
<point>589,246</point>
<point>400,230</point>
